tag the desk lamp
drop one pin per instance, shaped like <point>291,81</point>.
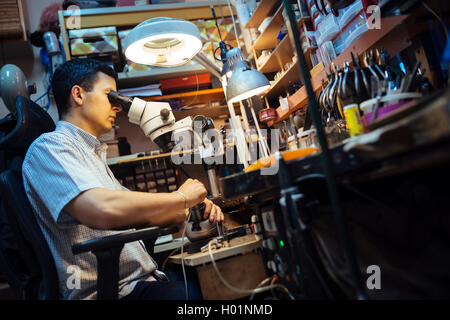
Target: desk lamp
<point>167,42</point>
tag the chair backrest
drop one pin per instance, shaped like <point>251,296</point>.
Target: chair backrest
<point>25,258</point>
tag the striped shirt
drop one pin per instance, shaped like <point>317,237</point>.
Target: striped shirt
<point>58,166</point>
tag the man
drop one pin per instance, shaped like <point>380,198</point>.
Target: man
<point>76,197</point>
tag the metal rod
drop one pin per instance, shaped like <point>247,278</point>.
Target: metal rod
<point>211,67</point>
<point>262,141</point>
<point>326,160</point>
<point>212,178</point>
<point>244,116</point>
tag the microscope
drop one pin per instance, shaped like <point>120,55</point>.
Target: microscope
<point>158,123</point>
<point>155,119</point>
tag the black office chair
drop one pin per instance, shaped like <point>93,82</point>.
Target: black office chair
<point>25,258</point>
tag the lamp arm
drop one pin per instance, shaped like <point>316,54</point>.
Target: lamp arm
<point>204,61</point>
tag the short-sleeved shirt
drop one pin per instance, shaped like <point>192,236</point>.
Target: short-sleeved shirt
<point>58,166</point>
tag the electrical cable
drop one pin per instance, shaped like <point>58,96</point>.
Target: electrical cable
<point>163,266</point>
<point>196,92</point>
<point>271,283</point>
<point>234,24</point>
<point>332,267</point>
<point>441,22</point>
<point>182,255</point>
<point>262,283</point>
<point>438,18</point>
<point>239,290</point>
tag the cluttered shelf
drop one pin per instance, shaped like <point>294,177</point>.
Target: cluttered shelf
<point>279,85</point>
<point>369,39</point>
<point>261,12</point>
<point>269,34</point>
<point>268,37</point>
<point>133,15</point>
<point>281,54</point>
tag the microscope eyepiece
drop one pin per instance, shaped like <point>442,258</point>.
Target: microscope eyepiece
<point>117,99</point>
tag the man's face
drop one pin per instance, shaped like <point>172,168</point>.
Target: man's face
<point>98,111</point>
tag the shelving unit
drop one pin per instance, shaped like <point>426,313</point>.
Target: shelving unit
<point>261,12</point>
<point>279,86</point>
<point>132,16</point>
<point>268,38</point>
<point>280,55</point>
<point>385,36</point>
<point>12,23</point>
<point>283,51</point>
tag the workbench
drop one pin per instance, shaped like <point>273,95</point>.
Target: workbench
<point>240,264</point>
<point>393,183</point>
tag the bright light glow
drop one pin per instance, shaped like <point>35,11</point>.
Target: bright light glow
<point>164,50</point>
<point>250,93</point>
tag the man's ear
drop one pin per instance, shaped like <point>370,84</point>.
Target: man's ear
<point>78,95</point>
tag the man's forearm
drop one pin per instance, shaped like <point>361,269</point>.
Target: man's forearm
<point>110,209</point>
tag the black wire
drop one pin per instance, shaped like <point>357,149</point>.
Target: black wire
<point>185,173</point>
<point>215,19</point>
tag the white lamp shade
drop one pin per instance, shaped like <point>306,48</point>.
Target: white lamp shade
<point>163,42</point>
<point>245,82</point>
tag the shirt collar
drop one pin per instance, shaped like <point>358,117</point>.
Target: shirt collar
<point>82,136</point>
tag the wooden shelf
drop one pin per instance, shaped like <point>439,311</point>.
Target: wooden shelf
<point>192,97</point>
<point>268,38</point>
<point>279,57</point>
<point>133,15</point>
<point>261,12</point>
<point>386,36</point>
<point>282,54</point>
<point>279,87</point>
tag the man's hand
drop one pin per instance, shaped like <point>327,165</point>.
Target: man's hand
<point>194,191</point>
<point>213,211</point>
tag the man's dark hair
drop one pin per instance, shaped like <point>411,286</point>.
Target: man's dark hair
<point>81,72</point>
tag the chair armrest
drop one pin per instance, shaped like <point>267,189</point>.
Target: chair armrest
<point>118,240</point>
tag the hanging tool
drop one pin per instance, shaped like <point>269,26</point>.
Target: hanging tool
<point>325,90</point>
<point>375,58</point>
<point>348,93</point>
<point>367,62</point>
<point>339,93</point>
<point>362,85</point>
